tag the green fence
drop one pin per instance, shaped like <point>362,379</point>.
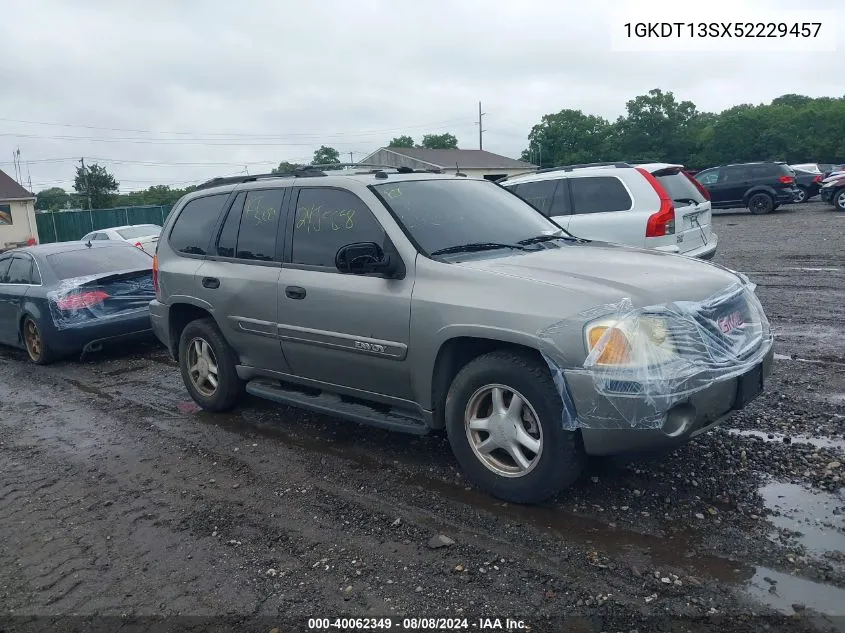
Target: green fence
<point>65,226</point>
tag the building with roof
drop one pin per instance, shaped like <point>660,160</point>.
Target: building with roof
<point>17,214</point>
<point>472,162</point>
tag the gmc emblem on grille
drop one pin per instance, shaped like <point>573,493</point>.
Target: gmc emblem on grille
<point>370,347</point>
<point>729,323</point>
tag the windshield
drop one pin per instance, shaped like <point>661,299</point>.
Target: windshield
<point>442,214</point>
<point>142,230</point>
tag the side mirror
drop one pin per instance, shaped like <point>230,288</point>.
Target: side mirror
<point>363,258</point>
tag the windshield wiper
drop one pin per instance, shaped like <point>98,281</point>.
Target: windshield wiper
<point>476,246</point>
<point>544,238</point>
<point>687,200</point>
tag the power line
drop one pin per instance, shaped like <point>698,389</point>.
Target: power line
<point>245,134</point>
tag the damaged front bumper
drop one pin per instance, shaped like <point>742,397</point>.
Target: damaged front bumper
<point>696,414</point>
<point>658,375</point>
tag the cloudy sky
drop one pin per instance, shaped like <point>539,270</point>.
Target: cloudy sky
<point>166,92</point>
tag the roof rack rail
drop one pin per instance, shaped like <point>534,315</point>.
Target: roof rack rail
<point>304,172</point>
<point>618,164</point>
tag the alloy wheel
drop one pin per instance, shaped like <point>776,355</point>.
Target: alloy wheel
<point>503,430</point>
<point>202,366</point>
<point>32,338</point>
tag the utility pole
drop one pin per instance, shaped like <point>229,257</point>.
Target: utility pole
<point>480,129</point>
<point>351,160</point>
<point>87,186</point>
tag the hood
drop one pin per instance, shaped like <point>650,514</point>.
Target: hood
<point>608,273</point>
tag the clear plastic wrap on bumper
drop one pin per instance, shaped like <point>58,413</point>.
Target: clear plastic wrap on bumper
<point>87,301</point>
<point>644,361</point>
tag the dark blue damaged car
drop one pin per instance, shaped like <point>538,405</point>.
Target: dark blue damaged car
<point>70,298</point>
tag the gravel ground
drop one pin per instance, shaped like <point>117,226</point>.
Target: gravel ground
<point>119,499</point>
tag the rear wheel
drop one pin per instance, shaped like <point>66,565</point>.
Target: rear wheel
<point>761,204</point>
<point>208,364</point>
<point>504,422</point>
<point>839,200</point>
<point>37,350</point>
<point>801,195</point>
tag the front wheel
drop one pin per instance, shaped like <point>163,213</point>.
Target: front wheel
<point>504,423</point>
<point>208,365</point>
<point>761,204</point>
<point>839,200</point>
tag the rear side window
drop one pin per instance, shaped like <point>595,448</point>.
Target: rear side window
<point>680,189</point>
<point>19,271</point>
<point>4,270</point>
<point>250,229</point>
<point>98,261</point>
<point>598,194</point>
<point>539,195</point>
<point>327,219</point>
<point>192,231</point>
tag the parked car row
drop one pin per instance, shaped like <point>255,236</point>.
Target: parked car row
<point>417,301</point>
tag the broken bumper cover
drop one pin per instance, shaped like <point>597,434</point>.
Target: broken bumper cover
<point>658,375</point>
<point>701,411</point>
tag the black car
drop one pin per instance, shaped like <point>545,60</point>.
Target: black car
<point>71,297</point>
<point>761,187</point>
<point>807,183</point>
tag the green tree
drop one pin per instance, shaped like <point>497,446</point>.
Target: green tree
<point>401,141</point>
<point>326,156</point>
<point>568,137</point>
<point>657,127</point>
<point>97,183</point>
<point>286,167</point>
<point>440,141</point>
<point>51,199</point>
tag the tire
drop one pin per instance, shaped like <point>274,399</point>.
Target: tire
<point>213,391</point>
<point>802,195</point>
<point>839,199</point>
<point>36,349</point>
<point>560,457</point>
<point>761,204</point>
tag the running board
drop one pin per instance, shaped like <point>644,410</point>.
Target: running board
<point>333,404</point>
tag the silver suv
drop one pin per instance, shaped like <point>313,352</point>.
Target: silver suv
<point>420,301</point>
<point>647,205</point>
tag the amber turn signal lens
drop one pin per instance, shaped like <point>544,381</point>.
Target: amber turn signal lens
<point>617,350</point>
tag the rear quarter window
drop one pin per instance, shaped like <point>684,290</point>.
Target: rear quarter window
<point>598,194</point>
<point>98,261</point>
<point>191,233</point>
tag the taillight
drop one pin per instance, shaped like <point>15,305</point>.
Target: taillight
<point>155,274</point>
<point>787,180</point>
<point>139,245</point>
<point>817,178</point>
<point>699,186</point>
<point>663,222</point>
<point>82,300</point>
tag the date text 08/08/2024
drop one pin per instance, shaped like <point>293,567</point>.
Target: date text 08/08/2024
<point>418,624</point>
<point>722,29</point>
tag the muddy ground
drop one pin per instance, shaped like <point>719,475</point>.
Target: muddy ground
<point>118,498</point>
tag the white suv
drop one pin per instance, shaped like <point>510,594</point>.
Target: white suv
<point>648,205</point>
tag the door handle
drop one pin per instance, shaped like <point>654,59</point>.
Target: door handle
<point>210,282</point>
<point>295,292</point>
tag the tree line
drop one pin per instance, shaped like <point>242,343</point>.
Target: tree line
<point>655,127</point>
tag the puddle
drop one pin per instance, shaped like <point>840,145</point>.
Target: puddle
<point>811,513</point>
<point>818,442</point>
<point>790,590</point>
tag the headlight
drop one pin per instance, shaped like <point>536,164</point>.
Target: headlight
<point>630,342</point>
